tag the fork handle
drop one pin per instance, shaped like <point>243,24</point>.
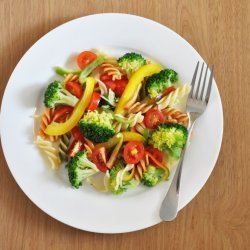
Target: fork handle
<point>169,206</point>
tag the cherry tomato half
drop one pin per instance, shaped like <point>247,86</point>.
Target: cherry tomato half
<point>85,58</point>
<point>60,114</point>
<point>154,161</point>
<point>120,86</point>
<point>117,86</point>
<point>95,99</point>
<point>77,134</point>
<point>157,154</point>
<point>153,118</point>
<point>99,157</point>
<point>133,152</point>
<point>105,77</point>
<point>74,88</point>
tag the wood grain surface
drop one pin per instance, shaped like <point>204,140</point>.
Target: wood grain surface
<point>219,216</point>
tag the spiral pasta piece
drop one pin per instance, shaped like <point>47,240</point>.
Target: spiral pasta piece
<point>174,97</point>
<point>112,69</point>
<point>140,168</point>
<point>70,78</point>
<point>140,107</point>
<point>89,143</point>
<point>117,126</point>
<point>133,99</point>
<point>173,115</point>
<point>89,150</point>
<point>132,120</point>
<point>140,127</point>
<point>63,146</point>
<point>50,151</point>
<point>45,121</point>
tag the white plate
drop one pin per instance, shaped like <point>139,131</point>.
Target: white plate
<point>85,208</point>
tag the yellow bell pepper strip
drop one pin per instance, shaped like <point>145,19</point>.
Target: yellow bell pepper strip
<point>129,176</point>
<point>132,136</point>
<point>62,128</point>
<point>132,101</point>
<point>134,82</point>
<point>127,136</point>
<point>115,152</point>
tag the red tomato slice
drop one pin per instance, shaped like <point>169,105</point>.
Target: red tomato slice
<point>85,58</point>
<point>105,77</point>
<point>153,118</point>
<point>120,85</point>
<point>133,152</point>
<point>60,114</point>
<point>77,134</point>
<point>99,157</point>
<point>110,84</point>
<point>75,147</point>
<point>95,99</point>
<point>117,86</point>
<point>157,154</point>
<point>74,88</point>
<point>154,161</point>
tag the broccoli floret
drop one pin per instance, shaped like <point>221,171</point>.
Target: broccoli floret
<point>170,138</point>
<point>156,83</point>
<point>97,127</point>
<point>80,168</point>
<point>130,62</point>
<point>152,176</point>
<point>124,185</point>
<point>55,94</point>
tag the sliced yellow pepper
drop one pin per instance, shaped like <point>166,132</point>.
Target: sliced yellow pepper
<point>134,82</point>
<point>132,136</point>
<point>129,176</point>
<point>127,136</point>
<point>62,128</point>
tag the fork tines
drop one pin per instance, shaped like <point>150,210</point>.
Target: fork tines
<point>198,87</point>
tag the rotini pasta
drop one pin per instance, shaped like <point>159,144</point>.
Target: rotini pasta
<point>64,146</point>
<point>45,121</point>
<point>70,78</point>
<point>131,121</point>
<point>140,168</point>
<point>173,115</point>
<point>113,116</point>
<point>50,151</point>
<point>112,69</point>
<point>140,107</point>
<point>174,97</point>
<point>140,127</point>
<point>133,100</point>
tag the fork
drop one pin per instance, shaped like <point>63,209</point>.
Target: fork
<point>196,105</point>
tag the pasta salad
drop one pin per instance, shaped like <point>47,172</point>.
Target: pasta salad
<point>114,122</point>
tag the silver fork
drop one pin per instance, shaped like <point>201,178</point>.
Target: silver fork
<point>196,104</point>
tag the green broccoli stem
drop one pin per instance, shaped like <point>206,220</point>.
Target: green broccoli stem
<point>86,71</point>
<point>67,98</point>
<point>62,72</point>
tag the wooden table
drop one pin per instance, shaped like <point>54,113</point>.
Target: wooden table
<point>219,216</point>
